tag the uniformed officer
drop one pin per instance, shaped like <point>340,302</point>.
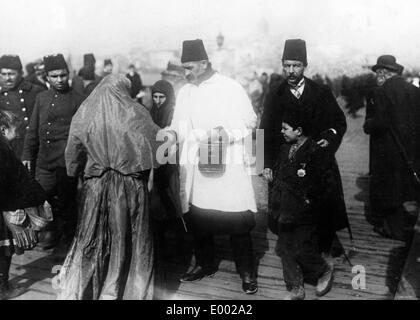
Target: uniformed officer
<point>46,142</point>
<point>17,96</point>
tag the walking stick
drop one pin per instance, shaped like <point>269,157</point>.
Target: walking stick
<point>405,156</point>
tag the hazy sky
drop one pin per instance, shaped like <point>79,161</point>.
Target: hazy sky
<point>35,28</point>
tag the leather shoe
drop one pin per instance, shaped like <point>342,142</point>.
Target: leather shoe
<point>197,274</point>
<point>325,282</point>
<point>250,287</point>
<point>297,293</point>
<point>12,292</point>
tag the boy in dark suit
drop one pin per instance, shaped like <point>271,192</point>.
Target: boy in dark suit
<point>300,183</point>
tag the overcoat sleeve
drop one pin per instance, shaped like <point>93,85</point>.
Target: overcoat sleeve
<point>378,122</point>
<point>268,125</point>
<point>335,119</point>
<point>75,155</point>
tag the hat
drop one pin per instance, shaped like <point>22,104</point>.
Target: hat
<point>87,73</point>
<point>89,59</point>
<point>388,62</point>
<point>193,50</point>
<point>296,118</point>
<point>11,62</point>
<point>107,62</point>
<point>55,62</point>
<point>295,49</point>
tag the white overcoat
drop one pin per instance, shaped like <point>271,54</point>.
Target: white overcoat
<point>217,101</point>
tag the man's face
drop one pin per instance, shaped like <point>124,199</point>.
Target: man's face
<point>59,79</point>
<point>9,133</point>
<point>293,71</point>
<point>194,69</point>
<point>108,68</point>
<point>380,76</point>
<point>41,76</point>
<point>10,78</point>
<point>290,135</point>
<point>159,99</point>
<point>264,78</point>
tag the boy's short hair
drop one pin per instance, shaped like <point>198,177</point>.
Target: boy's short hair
<point>9,119</point>
<point>297,119</point>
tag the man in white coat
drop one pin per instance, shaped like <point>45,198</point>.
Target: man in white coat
<point>213,113</point>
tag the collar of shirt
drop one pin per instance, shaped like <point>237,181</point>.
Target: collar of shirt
<point>23,85</point>
<point>297,90</point>
<point>295,147</point>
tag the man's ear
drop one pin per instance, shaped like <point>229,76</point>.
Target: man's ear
<point>299,131</point>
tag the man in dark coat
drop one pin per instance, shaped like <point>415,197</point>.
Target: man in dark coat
<point>46,141</point>
<point>327,129</point>
<point>86,80</point>
<point>394,126</point>
<point>16,95</point>
<point>136,83</point>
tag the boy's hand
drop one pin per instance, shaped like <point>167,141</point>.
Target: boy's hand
<point>323,143</point>
<point>268,174</point>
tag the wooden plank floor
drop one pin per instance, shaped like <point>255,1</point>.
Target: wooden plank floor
<point>382,259</point>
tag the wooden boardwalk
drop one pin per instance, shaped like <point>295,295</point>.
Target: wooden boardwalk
<point>382,259</point>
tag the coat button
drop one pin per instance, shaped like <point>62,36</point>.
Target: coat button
<point>52,104</point>
<point>22,100</point>
<point>48,141</point>
<point>49,123</point>
<point>25,119</point>
<point>27,128</point>
<point>23,109</point>
<point>48,132</point>
<point>5,93</point>
<point>21,91</point>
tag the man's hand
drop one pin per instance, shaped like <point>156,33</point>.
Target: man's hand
<point>27,164</point>
<point>323,143</point>
<point>268,174</point>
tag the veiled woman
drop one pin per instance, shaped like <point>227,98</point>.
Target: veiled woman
<point>112,141</point>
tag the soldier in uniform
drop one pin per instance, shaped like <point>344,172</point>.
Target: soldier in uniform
<point>46,142</point>
<point>17,96</point>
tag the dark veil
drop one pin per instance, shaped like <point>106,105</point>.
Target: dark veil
<point>113,130</point>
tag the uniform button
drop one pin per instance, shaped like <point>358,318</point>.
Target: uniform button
<point>48,142</point>
<point>52,104</point>
<point>26,118</point>
<point>5,93</point>
<point>22,100</point>
<point>27,128</point>
<point>49,123</point>
<point>55,96</point>
<point>23,109</point>
<point>7,102</point>
<point>21,91</point>
<point>48,132</point>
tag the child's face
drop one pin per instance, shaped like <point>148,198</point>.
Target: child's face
<point>9,133</point>
<point>290,135</point>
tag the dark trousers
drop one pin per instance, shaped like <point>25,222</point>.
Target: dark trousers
<point>242,252</point>
<point>5,262</point>
<point>61,194</point>
<point>298,248</point>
